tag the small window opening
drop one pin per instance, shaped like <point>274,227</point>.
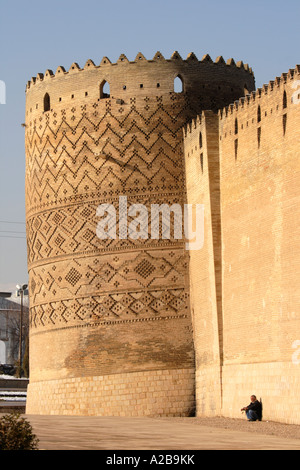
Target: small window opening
<point>236,126</point>
<point>46,102</point>
<point>236,146</point>
<point>124,87</point>
<point>157,85</point>
<point>284,121</point>
<point>201,161</point>
<point>178,84</point>
<point>258,114</point>
<point>259,136</point>
<point>200,140</point>
<point>104,90</point>
<point>86,93</point>
<point>284,100</point>
<point>141,85</point>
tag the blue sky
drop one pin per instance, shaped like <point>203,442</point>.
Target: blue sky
<point>38,35</point>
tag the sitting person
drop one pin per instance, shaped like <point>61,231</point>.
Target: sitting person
<point>254,410</point>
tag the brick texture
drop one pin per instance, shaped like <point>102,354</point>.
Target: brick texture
<point>250,336</point>
<point>105,308</point>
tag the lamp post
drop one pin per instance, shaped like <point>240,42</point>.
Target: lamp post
<point>21,290</point>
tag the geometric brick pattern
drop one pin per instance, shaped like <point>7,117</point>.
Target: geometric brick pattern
<point>147,276</point>
<point>75,162</point>
<point>120,307</point>
<point>113,308</point>
<point>76,154</point>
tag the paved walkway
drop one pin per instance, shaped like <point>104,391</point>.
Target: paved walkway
<point>110,433</point>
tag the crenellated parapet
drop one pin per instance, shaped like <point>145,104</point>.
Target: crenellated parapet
<point>285,84</point>
<point>212,84</point>
<point>193,124</point>
<point>140,59</point>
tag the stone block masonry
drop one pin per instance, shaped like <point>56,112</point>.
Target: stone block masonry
<point>147,393</point>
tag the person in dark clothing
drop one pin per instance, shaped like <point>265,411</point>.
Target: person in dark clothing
<point>254,410</point>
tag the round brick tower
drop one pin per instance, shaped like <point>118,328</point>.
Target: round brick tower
<point>111,331</point>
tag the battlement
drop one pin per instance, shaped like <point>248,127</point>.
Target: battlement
<point>193,124</point>
<point>266,90</point>
<point>158,58</point>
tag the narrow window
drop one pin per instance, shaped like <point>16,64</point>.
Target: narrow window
<point>141,85</point>
<point>284,100</point>
<point>236,126</point>
<point>157,85</point>
<point>258,114</point>
<point>284,121</point>
<point>200,140</point>
<point>236,146</point>
<point>46,102</point>
<point>104,90</point>
<point>178,84</point>
<point>201,161</point>
<point>258,136</point>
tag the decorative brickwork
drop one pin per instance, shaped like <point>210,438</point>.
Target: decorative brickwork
<point>114,306</point>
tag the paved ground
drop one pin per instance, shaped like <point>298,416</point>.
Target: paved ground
<point>109,433</point>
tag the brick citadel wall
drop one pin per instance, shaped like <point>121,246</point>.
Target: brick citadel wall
<point>112,311</point>
<point>243,165</point>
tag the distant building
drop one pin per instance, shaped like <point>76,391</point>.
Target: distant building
<point>10,317</point>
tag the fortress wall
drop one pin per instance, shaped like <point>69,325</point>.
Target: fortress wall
<point>260,241</point>
<point>202,182</point>
<point>108,308</point>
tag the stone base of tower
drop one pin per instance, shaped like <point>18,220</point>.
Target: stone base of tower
<point>149,393</point>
